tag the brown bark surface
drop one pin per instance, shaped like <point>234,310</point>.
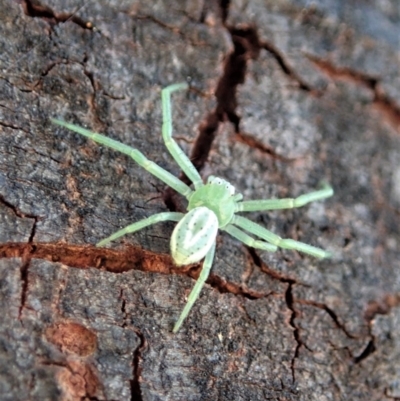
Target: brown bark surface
<point>284,95</point>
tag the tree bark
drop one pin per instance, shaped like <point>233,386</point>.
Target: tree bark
<point>283,96</point>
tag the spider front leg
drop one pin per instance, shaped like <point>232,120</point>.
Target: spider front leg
<point>274,239</point>
<point>194,294</point>
<point>135,154</point>
<point>176,152</point>
<point>288,203</point>
<point>156,218</point>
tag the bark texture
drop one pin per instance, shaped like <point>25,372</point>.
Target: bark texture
<point>284,95</point>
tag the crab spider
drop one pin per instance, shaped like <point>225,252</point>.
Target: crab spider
<point>211,206</point>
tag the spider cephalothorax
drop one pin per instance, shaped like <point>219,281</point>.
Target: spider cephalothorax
<point>211,206</point>
<point>219,196</point>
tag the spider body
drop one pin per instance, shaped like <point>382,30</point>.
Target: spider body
<point>217,195</point>
<point>211,206</point>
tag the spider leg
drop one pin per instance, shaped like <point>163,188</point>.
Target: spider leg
<point>194,294</point>
<point>247,240</point>
<point>288,203</point>
<point>156,218</point>
<point>276,240</point>
<point>135,154</point>
<point>177,153</point>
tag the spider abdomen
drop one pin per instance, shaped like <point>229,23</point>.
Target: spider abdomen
<point>193,236</point>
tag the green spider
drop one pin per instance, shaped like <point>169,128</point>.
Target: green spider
<point>211,206</point>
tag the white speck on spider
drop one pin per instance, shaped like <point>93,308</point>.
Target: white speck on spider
<point>212,206</point>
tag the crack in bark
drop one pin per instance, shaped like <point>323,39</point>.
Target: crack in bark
<point>174,29</point>
<point>49,67</point>
<point>119,261</point>
<point>7,125</point>
<point>368,350</point>
<point>92,103</point>
<point>123,308</point>
<point>267,270</point>
<point>224,286</point>
<point>380,307</point>
<point>136,392</point>
<point>246,47</point>
<point>92,99</point>
<point>376,308</point>
<point>382,102</point>
<point>330,313</point>
<point>35,9</point>
<point>25,255</point>
<point>290,301</point>
<point>224,9</point>
<point>17,212</point>
<point>296,330</point>
<point>256,144</point>
<point>286,68</point>
<point>24,280</point>
<point>219,8</point>
<point>22,216</point>
<point>84,257</point>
